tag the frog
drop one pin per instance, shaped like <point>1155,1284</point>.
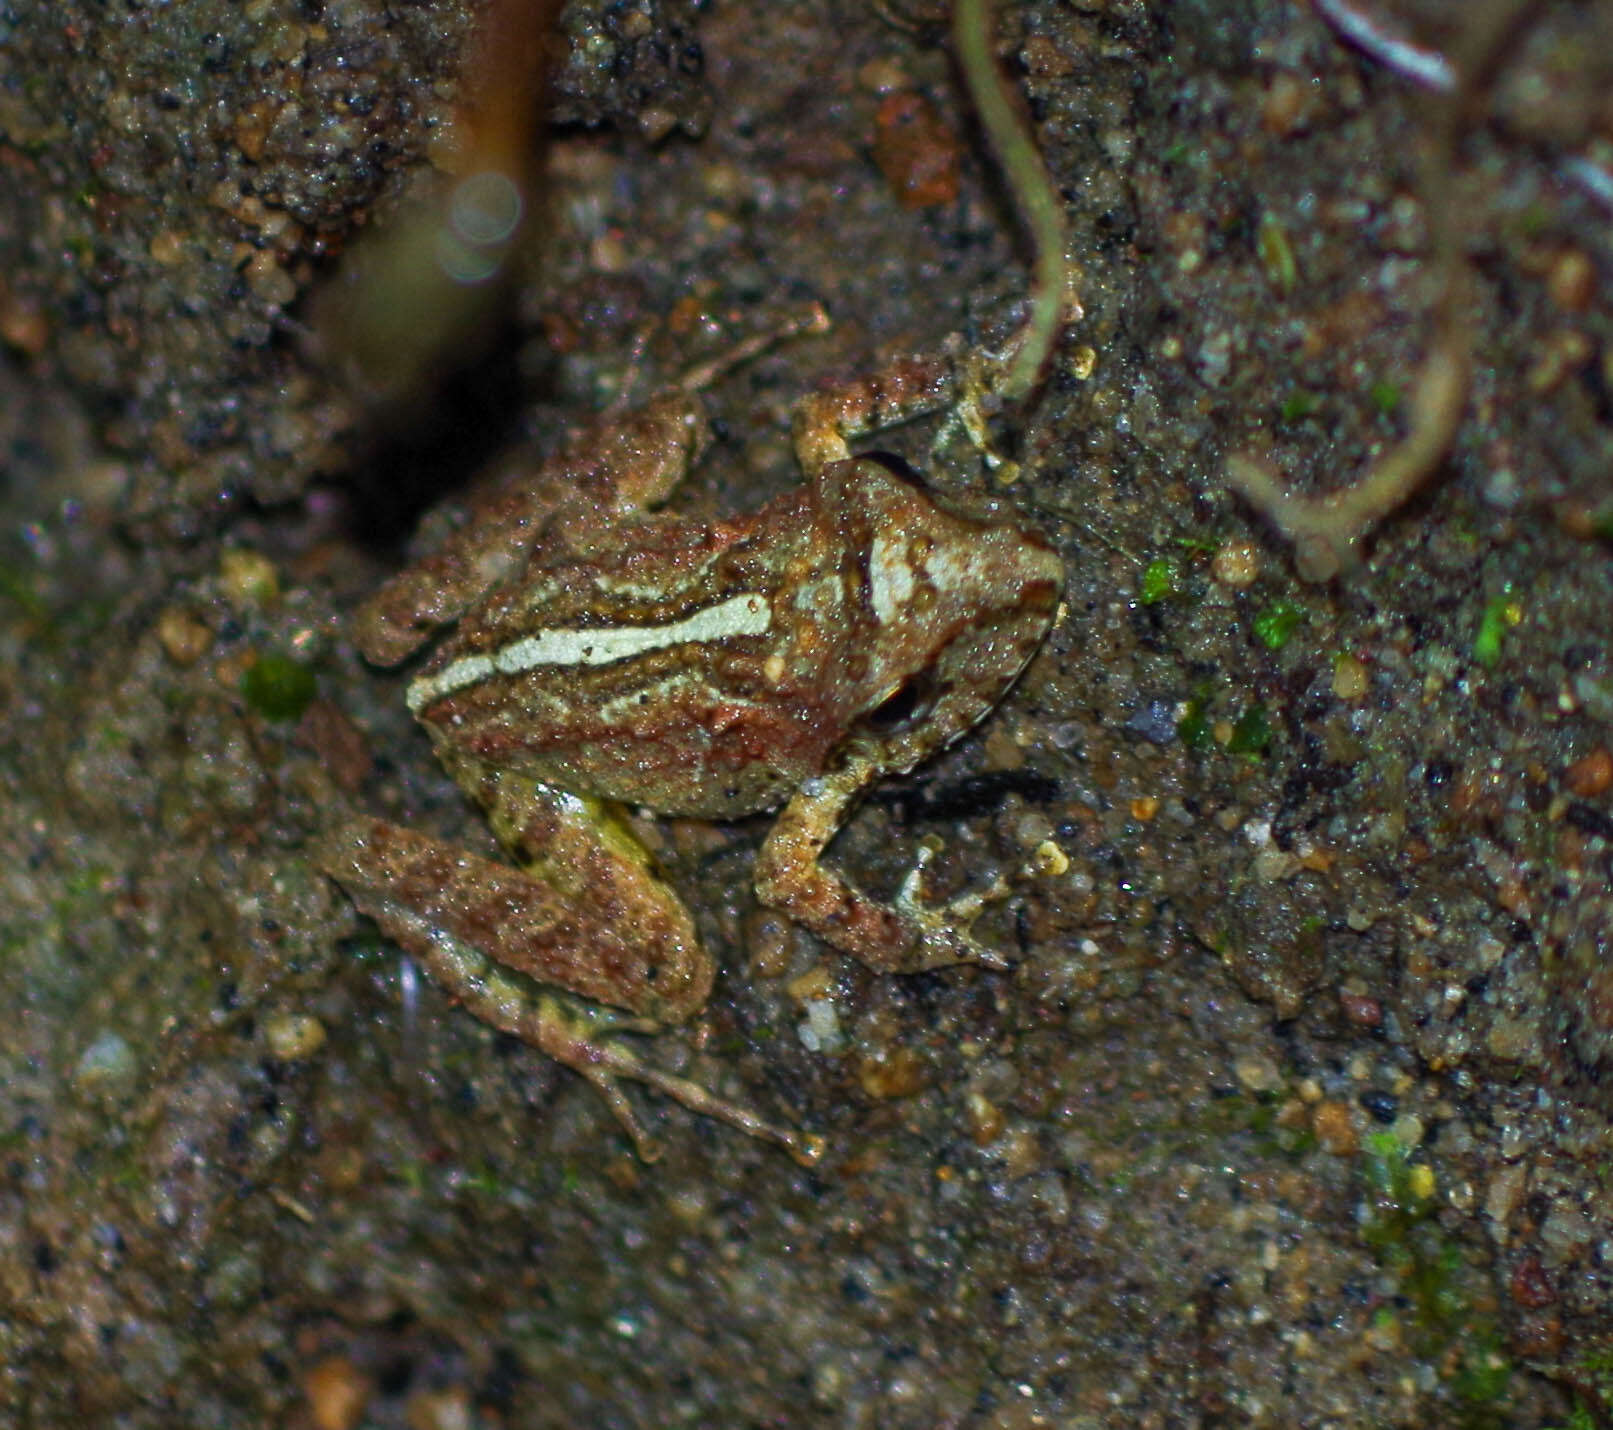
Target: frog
<point>595,655</point>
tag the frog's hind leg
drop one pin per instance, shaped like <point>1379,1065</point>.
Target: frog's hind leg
<point>622,469</point>
<point>827,421</point>
<point>950,381</point>
<point>446,906</point>
<point>578,1037</point>
<point>583,1037</point>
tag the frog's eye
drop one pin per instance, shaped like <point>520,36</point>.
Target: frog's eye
<point>908,704</point>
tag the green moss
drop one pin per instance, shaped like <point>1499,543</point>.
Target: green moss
<point>1193,729</point>
<point>1500,612</point>
<point>1400,1195</point>
<point>1385,396</point>
<point>1161,581</point>
<point>1277,622</point>
<point>1435,1279</point>
<point>1251,735</point>
<point>16,588</point>
<point>1484,1372</point>
<point>1276,254</point>
<point>1595,1374</point>
<point>278,687</point>
<point>1298,405</point>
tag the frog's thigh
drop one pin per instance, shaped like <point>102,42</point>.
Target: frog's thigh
<point>614,933</point>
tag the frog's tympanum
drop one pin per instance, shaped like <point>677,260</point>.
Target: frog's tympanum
<point>603,655</point>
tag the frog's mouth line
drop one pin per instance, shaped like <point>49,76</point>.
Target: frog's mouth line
<point>747,614</point>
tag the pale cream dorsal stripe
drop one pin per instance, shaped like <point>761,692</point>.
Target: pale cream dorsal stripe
<point>747,614</point>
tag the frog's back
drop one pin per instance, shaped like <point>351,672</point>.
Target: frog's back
<point>659,666</point>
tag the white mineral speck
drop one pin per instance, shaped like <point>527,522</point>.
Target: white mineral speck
<point>821,1031</point>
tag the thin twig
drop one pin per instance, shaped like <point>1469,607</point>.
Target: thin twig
<point>1027,177</point>
<point>1326,531</point>
<point>1423,66</point>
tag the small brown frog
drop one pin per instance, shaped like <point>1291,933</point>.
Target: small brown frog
<point>845,631</point>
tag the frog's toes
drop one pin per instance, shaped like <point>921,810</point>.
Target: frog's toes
<point>573,1036</point>
<point>944,930</point>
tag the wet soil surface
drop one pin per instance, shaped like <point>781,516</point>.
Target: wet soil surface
<point>1293,1109</point>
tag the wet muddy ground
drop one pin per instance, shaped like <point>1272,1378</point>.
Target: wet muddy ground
<point>1293,1109</point>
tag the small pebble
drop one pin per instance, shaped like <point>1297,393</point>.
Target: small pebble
<point>183,638</point>
<point>1258,1073</point>
<point>915,151</point>
<point>1571,281</point>
<point>166,248</point>
<point>1349,678</point>
<point>985,1118</point>
<point>269,282</point>
<point>337,1391</point>
<point>1381,1106</point>
<point>248,577</point>
<point>1287,106</point>
<point>446,1409</point>
<point>1237,564</point>
<point>770,939</point>
<point>1409,1130</point>
<point>109,1061</point>
<point>882,75</point>
<point>820,1033</point>
<point>655,122</point>
<point>1363,1011</point>
<point>814,983</point>
<point>888,1073</point>
<point>1049,861</point>
<point>1334,1125</point>
<point>1592,775</point>
<point>292,1036</point>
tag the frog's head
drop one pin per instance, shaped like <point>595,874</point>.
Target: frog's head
<point>951,609</point>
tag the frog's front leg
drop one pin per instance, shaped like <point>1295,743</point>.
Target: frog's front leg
<point>907,937</point>
<point>604,928</point>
